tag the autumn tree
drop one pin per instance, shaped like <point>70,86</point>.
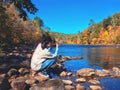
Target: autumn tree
<point>22,6</point>
<point>5,30</point>
<point>37,20</point>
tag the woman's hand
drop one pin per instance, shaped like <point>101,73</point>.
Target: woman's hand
<point>57,44</point>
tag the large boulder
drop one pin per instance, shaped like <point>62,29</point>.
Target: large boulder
<point>52,84</point>
<point>4,84</point>
<point>12,72</point>
<point>20,84</point>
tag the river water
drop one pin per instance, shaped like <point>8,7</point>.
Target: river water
<point>96,57</point>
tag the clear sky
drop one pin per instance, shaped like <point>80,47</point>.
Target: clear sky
<point>71,16</point>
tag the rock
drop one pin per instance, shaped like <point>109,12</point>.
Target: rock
<point>96,82</point>
<point>73,58</point>
<point>19,84</point>
<point>101,73</point>
<point>115,72</point>
<point>52,84</point>
<point>85,72</point>
<point>69,73</point>
<point>115,69</point>
<point>2,54</point>
<point>29,55</point>
<point>69,87</point>
<point>95,87</point>
<point>15,51</point>
<point>79,57</point>
<point>80,80</point>
<point>14,60</point>
<point>10,54</point>
<point>3,57</point>
<point>24,51</point>
<point>16,54</point>
<point>106,71</point>
<point>63,74</point>
<point>12,78</point>
<point>25,64</point>
<point>30,81</point>
<point>67,82</point>
<point>4,68</point>
<point>41,78</point>
<point>23,71</point>
<point>79,87</point>
<point>67,58</point>
<point>12,72</point>
<point>4,84</point>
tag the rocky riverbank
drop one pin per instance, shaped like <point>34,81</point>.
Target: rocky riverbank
<point>15,73</point>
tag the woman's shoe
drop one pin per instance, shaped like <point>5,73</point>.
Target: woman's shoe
<point>41,77</point>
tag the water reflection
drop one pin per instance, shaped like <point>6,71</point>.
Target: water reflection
<point>104,57</point>
<point>97,57</point>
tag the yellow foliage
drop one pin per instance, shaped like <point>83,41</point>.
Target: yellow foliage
<point>16,40</point>
<point>109,28</point>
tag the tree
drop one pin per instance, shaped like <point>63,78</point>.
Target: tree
<point>5,30</point>
<point>38,21</point>
<point>22,6</point>
<point>106,22</point>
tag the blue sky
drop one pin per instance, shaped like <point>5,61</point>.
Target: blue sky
<point>71,16</point>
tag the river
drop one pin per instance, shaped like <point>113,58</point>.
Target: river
<point>96,57</point>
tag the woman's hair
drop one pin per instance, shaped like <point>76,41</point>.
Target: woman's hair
<point>45,40</point>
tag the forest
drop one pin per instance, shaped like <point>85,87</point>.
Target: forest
<point>16,28</point>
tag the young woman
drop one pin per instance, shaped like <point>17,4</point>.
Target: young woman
<point>42,58</point>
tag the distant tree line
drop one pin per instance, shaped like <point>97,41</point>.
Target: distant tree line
<point>105,32</point>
